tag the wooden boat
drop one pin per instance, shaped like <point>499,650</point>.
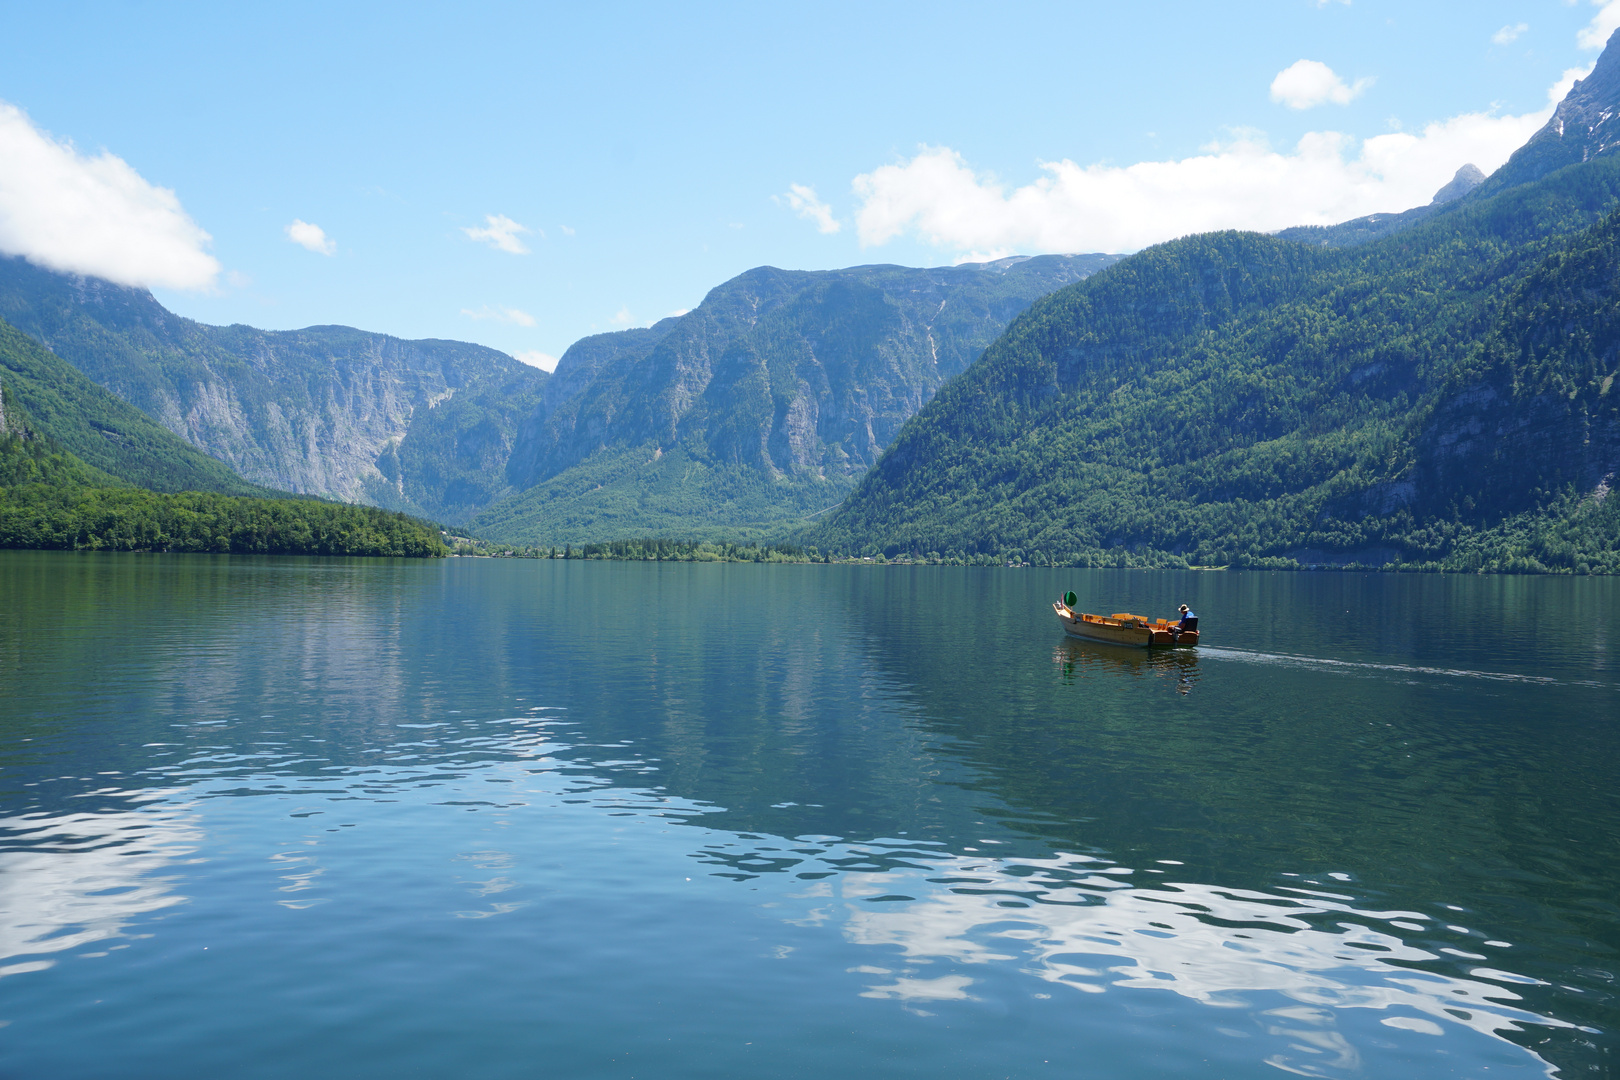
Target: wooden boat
<point>1119,629</point>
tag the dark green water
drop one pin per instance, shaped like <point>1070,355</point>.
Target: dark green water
<point>475,818</point>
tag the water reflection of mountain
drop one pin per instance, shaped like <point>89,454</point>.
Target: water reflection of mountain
<point>942,705</point>
<point>1264,765</point>
<point>118,663</point>
<point>1426,789</point>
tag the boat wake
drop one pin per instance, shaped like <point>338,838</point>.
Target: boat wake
<point>1353,666</point>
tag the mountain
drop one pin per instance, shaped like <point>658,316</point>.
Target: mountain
<point>81,469</point>
<point>49,499</point>
<point>99,428</point>
<point>1362,229</point>
<point>765,403</point>
<point>1534,411</point>
<point>1439,397</point>
<point>327,410</point>
<point>1583,126</point>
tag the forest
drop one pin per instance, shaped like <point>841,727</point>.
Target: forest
<point>1439,399</point>
<point>49,499</point>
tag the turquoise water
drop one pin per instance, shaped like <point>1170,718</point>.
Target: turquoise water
<point>478,818</point>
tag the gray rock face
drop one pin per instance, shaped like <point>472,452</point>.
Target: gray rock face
<point>1585,125</point>
<point>1467,179</point>
<point>316,411</point>
<point>786,372</point>
<point>1526,445</point>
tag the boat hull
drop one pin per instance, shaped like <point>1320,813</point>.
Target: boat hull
<point>1120,630</point>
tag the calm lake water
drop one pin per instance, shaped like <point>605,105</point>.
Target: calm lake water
<point>477,818</point>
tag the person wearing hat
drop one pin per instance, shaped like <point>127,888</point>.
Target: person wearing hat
<point>1188,621</point>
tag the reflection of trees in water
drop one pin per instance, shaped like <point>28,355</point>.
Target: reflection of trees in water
<point>1095,660</point>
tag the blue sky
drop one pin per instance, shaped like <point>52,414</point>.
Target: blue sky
<point>651,152</point>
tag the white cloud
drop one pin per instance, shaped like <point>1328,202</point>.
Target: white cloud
<point>1243,184</point>
<point>802,199</point>
<point>566,230</point>
<point>1604,23</point>
<point>93,215</point>
<point>310,236</point>
<point>536,358</point>
<point>1305,84</point>
<point>501,232</point>
<point>1509,34</point>
<point>677,313</point>
<point>500,314</point>
<point>621,317</point>
<point>982,256</point>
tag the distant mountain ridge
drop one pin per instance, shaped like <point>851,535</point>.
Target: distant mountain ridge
<point>1585,125</point>
<point>1362,230</point>
<point>43,395</point>
<point>1442,398</point>
<point>767,401</point>
<point>326,410</point>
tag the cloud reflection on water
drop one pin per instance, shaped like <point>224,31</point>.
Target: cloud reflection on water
<point>1077,922</point>
<point>70,880</point>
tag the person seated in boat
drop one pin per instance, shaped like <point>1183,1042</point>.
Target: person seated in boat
<point>1188,621</point>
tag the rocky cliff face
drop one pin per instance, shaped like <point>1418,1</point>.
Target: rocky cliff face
<point>1489,447</point>
<point>319,411</point>
<point>765,403</point>
<point>1586,125</point>
<point>1537,415</point>
<point>784,372</point>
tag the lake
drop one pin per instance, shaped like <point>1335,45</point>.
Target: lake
<point>506,818</point>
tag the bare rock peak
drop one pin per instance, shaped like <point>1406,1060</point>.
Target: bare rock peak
<point>1467,179</point>
<point>1585,125</point>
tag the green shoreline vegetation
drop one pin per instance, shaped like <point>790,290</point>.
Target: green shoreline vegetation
<point>51,500</point>
<point>1557,543</point>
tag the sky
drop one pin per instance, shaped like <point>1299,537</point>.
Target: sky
<point>524,175</point>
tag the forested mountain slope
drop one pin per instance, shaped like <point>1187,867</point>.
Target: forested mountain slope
<point>49,499</point>
<point>97,426</point>
<point>767,401</point>
<point>1238,398</point>
<point>327,410</point>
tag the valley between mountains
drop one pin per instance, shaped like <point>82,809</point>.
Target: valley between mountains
<point>1429,389</point>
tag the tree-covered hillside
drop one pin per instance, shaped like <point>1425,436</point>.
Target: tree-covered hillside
<point>767,402</point>
<point>100,428</point>
<point>1435,397</point>
<point>327,410</point>
<point>50,499</point>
